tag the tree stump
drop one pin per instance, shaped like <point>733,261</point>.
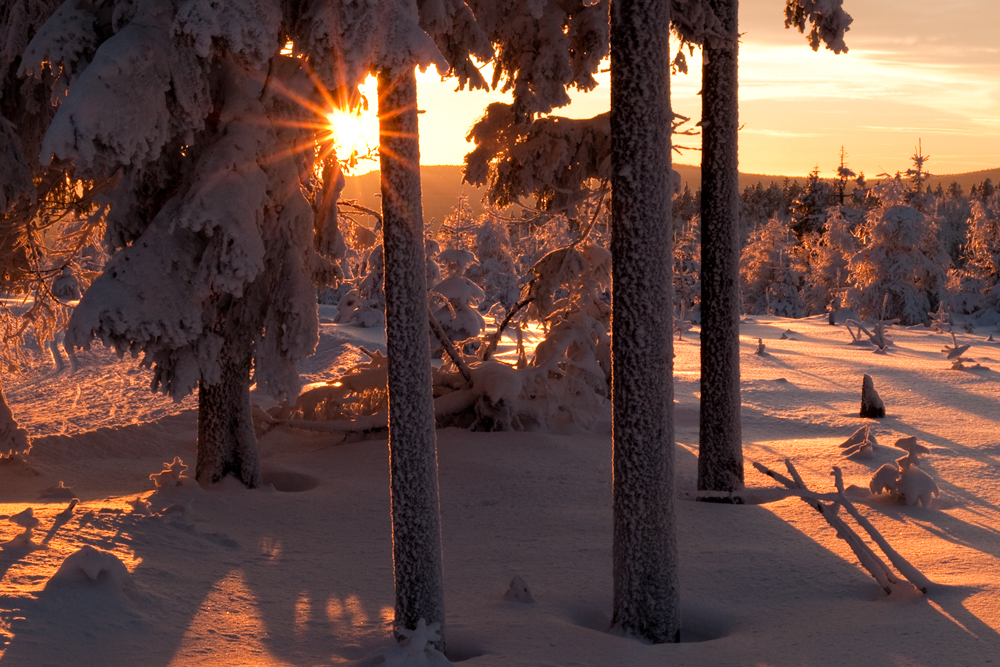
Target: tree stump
<point>871,403</point>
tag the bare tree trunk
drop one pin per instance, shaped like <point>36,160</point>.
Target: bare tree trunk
<point>416,527</point>
<point>644,552</point>
<point>720,460</point>
<point>226,441</point>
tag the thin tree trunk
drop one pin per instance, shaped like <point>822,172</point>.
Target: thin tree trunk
<point>416,528</point>
<point>644,552</point>
<point>720,460</point>
<point>226,441</point>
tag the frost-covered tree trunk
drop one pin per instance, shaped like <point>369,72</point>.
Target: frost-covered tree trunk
<point>226,441</point>
<point>14,440</point>
<point>416,531</point>
<point>644,553</point>
<point>720,458</point>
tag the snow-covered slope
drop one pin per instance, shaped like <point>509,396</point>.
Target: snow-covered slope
<point>302,574</point>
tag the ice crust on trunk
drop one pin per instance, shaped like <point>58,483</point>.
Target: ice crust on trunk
<point>720,456</point>
<point>416,532</point>
<point>644,551</point>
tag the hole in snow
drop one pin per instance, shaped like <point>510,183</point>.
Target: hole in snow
<point>289,481</point>
<point>702,624</point>
<point>698,623</point>
<point>460,649</point>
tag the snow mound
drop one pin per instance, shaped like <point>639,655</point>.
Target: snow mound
<point>417,649</point>
<point>518,591</point>
<point>289,481</point>
<point>58,491</point>
<point>91,566</point>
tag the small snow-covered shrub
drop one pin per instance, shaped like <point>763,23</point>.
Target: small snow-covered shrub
<point>360,391</point>
<point>459,316</point>
<point>904,481</point>
<point>364,304</point>
<point>171,475</point>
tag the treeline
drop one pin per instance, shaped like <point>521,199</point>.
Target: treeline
<point>812,247</point>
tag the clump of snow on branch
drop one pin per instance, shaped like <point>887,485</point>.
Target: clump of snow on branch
<point>829,22</point>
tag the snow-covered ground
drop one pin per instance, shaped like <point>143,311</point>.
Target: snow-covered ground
<point>302,574</point>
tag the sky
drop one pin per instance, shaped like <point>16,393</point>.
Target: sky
<point>922,71</point>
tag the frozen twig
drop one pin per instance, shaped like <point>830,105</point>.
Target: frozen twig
<point>449,347</point>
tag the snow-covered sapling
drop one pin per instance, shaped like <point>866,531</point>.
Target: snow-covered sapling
<point>861,444</point>
<point>459,316</point>
<point>904,481</point>
<point>171,475</point>
<point>26,520</point>
<point>872,406</point>
<point>956,350</point>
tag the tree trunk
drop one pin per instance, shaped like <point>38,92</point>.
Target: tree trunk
<point>226,441</point>
<point>14,440</point>
<point>644,552</point>
<point>720,460</point>
<point>416,529</point>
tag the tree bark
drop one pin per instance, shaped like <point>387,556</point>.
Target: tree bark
<point>226,441</point>
<point>720,460</point>
<point>416,529</point>
<point>644,551</point>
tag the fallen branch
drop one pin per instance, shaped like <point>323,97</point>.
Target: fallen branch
<point>868,558</point>
<point>449,347</point>
<point>912,574</point>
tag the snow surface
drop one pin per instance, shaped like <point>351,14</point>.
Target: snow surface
<point>300,573</point>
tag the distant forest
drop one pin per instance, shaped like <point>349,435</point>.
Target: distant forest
<point>442,186</point>
<point>912,247</point>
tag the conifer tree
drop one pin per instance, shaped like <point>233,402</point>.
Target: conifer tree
<point>644,552</point>
<point>720,454</point>
<point>212,222</point>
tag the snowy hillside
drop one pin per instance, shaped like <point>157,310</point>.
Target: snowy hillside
<point>301,573</point>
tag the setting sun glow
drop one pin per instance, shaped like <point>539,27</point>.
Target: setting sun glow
<point>347,132</point>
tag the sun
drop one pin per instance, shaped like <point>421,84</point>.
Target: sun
<point>347,132</point>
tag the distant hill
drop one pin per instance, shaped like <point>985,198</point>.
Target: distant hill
<point>442,185</point>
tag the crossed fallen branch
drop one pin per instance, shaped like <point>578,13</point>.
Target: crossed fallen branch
<point>876,567</point>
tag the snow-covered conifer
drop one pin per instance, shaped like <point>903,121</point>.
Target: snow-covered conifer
<point>900,257</point>
<point>495,269</point>
<point>769,277</point>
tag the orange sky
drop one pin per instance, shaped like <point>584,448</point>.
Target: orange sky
<point>922,70</point>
